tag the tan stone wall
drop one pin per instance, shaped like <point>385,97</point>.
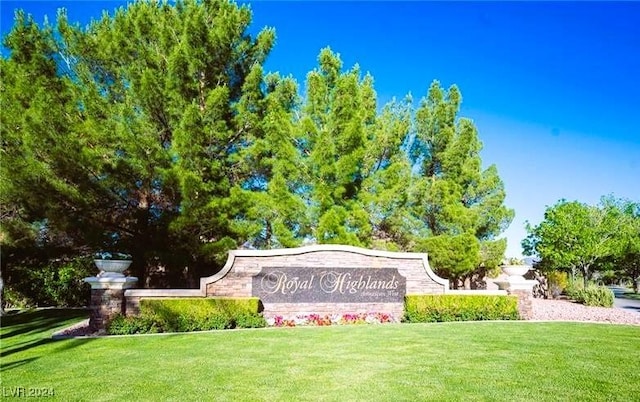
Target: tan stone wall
<point>235,280</point>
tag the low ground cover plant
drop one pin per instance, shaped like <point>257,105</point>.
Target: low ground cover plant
<point>441,308</point>
<point>330,319</point>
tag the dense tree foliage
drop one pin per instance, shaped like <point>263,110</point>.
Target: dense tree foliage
<point>155,131</point>
<point>582,238</point>
<point>461,205</point>
<point>127,134</point>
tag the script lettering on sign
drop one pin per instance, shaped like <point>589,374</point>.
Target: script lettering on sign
<point>338,285</point>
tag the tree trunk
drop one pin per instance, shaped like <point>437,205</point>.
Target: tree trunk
<point>1,290</point>
<point>585,275</point>
<point>268,234</point>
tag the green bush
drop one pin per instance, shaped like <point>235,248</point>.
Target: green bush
<point>558,282</point>
<point>248,320</point>
<point>574,289</point>
<point>198,314</point>
<point>439,308</point>
<point>14,299</point>
<point>121,325</point>
<point>190,314</point>
<point>599,296</point>
<point>56,283</point>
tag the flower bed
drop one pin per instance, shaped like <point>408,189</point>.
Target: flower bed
<point>330,319</point>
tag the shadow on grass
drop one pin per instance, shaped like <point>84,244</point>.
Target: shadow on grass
<point>32,329</point>
<point>17,363</point>
<point>32,321</point>
<point>26,346</point>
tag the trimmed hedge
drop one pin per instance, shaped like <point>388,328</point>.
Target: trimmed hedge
<point>190,314</point>
<point>440,308</point>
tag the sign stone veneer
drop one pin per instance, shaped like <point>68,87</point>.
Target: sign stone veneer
<point>322,279</point>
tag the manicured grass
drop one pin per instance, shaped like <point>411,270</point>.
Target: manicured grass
<point>496,361</point>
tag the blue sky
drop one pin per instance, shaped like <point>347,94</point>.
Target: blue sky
<point>552,87</point>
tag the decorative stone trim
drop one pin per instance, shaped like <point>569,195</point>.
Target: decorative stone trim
<point>233,254</point>
<point>477,292</point>
<point>107,282</point>
<point>164,293</point>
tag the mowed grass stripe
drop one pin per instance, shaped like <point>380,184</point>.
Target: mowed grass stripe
<point>458,361</point>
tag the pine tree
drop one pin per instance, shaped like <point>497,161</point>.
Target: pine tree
<point>273,164</point>
<point>127,134</point>
<point>460,204</point>
<point>338,112</point>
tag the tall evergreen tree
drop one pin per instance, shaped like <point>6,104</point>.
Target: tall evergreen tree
<point>461,205</point>
<point>339,110</point>
<point>273,165</point>
<point>387,172</point>
<point>156,131</point>
<point>127,133</point>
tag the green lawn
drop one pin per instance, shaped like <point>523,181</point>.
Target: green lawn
<point>505,361</point>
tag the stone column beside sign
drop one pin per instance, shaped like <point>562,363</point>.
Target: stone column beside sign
<point>107,299</point>
<point>516,285</point>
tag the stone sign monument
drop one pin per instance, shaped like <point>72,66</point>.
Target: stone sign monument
<point>321,279</point>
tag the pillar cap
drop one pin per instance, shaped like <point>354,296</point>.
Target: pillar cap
<point>116,283</point>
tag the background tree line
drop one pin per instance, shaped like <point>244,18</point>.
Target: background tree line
<point>155,131</point>
<point>590,241</point>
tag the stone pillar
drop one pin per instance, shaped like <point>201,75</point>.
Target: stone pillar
<point>516,285</point>
<point>525,302</point>
<point>107,299</point>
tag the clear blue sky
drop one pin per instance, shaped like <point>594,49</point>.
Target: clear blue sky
<point>552,87</point>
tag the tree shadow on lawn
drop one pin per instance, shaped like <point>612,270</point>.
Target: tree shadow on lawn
<point>32,329</point>
<point>24,322</point>
<point>17,363</point>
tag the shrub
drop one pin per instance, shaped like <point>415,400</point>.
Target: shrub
<point>190,314</point>
<point>439,308</point>
<point>121,325</point>
<point>199,314</point>
<point>558,282</point>
<point>247,320</point>
<point>14,299</point>
<point>56,283</point>
<point>574,289</point>
<point>599,296</point>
